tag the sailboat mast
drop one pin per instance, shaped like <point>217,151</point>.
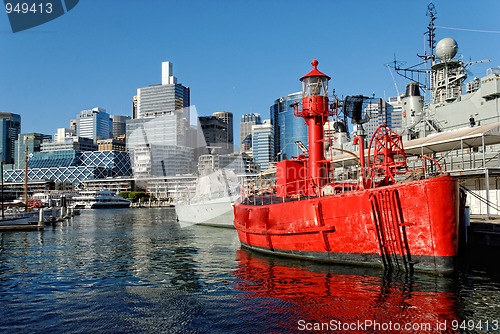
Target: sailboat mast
<point>26,173</point>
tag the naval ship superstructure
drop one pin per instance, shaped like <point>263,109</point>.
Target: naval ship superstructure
<point>458,125</point>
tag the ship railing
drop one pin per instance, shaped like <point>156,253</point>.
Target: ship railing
<point>453,161</point>
<point>200,198</point>
<point>255,193</point>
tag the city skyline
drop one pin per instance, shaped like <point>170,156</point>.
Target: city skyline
<point>234,56</point>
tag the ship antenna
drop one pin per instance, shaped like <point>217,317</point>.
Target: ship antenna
<point>392,76</point>
<point>431,11</point>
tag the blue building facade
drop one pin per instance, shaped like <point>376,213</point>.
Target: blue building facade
<point>10,127</point>
<point>94,124</point>
<point>287,127</point>
<point>28,143</point>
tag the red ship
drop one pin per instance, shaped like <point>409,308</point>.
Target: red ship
<point>390,217</point>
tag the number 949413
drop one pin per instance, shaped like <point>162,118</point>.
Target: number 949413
<point>25,8</point>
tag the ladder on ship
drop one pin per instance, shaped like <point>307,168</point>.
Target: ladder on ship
<point>387,216</point>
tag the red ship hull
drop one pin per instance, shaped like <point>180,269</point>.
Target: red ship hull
<point>413,224</point>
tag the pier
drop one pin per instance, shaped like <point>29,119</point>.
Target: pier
<point>47,216</point>
<point>484,231</point>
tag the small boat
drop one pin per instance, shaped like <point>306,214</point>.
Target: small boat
<point>212,202</point>
<point>100,199</point>
<point>387,216</point>
<point>14,220</point>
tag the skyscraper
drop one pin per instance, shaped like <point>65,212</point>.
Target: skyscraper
<point>157,136</point>
<point>119,125</point>
<point>287,127</point>
<point>215,132</point>
<point>227,117</point>
<point>30,142</point>
<point>10,127</point>
<point>246,123</point>
<point>263,144</point>
<point>94,124</point>
<point>158,100</point>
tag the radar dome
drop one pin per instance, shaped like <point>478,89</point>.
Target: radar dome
<point>446,48</point>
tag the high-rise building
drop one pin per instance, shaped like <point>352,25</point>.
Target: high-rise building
<point>158,135</point>
<point>167,97</point>
<point>119,125</point>
<point>227,117</point>
<point>215,133</point>
<point>72,125</point>
<point>263,144</point>
<point>94,124</point>
<point>247,121</point>
<point>395,113</point>
<point>377,112</point>
<point>287,127</point>
<point>134,107</point>
<point>156,149</point>
<point>27,144</point>
<point>10,127</point>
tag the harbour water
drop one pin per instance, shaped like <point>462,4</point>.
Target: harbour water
<point>139,271</point>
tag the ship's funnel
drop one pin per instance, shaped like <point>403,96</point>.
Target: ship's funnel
<point>413,105</point>
<point>412,89</point>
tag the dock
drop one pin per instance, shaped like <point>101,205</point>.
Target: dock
<point>45,217</point>
<point>27,227</point>
<point>484,231</point>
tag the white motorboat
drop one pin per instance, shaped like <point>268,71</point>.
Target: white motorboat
<point>99,199</point>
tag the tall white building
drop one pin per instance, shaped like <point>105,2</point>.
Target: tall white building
<point>158,135</point>
<point>263,144</point>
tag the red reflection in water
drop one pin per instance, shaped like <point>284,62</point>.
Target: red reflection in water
<point>345,299</point>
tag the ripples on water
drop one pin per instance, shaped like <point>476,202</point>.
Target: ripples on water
<point>139,271</point>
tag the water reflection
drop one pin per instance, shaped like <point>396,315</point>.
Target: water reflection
<point>346,298</point>
<point>139,271</point>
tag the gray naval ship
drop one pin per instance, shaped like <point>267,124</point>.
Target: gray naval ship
<point>458,126</point>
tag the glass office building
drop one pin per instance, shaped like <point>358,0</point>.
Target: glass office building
<point>10,127</point>
<point>157,149</point>
<point>159,133</point>
<point>287,127</point>
<point>94,124</point>
<point>26,144</point>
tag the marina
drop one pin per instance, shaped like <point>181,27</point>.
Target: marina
<point>139,271</point>
<point>339,212</point>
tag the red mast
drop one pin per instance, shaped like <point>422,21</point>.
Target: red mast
<point>315,112</point>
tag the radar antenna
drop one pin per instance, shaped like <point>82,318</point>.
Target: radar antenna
<point>415,72</point>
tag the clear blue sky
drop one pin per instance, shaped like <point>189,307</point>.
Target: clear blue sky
<point>236,55</point>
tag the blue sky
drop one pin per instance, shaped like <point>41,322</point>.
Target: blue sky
<point>236,55</point>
